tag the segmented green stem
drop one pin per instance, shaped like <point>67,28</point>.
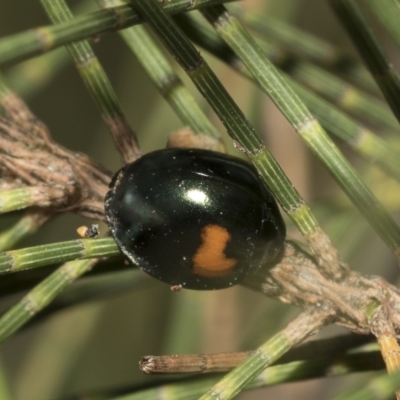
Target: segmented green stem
<point>308,46</point>
<point>362,140</point>
<point>336,90</point>
<point>37,41</point>
<point>307,323</point>
<point>344,95</point>
<point>47,254</point>
<point>164,77</point>
<point>305,124</point>
<point>17,199</point>
<point>41,296</point>
<point>98,85</point>
<point>27,77</point>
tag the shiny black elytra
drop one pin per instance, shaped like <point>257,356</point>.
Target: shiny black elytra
<point>195,218</point>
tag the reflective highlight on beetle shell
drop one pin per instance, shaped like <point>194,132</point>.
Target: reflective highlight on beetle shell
<point>194,218</point>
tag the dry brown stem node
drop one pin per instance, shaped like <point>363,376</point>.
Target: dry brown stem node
<point>60,180</point>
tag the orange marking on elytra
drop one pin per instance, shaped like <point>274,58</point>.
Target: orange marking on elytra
<point>210,260</point>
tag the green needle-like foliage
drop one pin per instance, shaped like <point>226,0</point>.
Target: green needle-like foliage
<point>38,256</point>
<point>164,78</point>
<point>346,96</point>
<point>98,85</point>
<point>34,42</point>
<point>308,46</point>
<point>336,122</point>
<point>307,78</point>
<point>17,199</point>
<point>41,296</point>
<point>305,124</point>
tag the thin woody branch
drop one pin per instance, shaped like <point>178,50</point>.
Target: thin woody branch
<point>64,180</point>
<point>328,350</point>
<point>297,280</point>
<point>58,179</point>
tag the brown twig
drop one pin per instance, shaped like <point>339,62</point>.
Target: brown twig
<point>61,180</point>
<point>190,363</point>
<point>297,280</point>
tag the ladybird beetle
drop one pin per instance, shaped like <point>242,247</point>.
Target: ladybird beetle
<point>194,218</point>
